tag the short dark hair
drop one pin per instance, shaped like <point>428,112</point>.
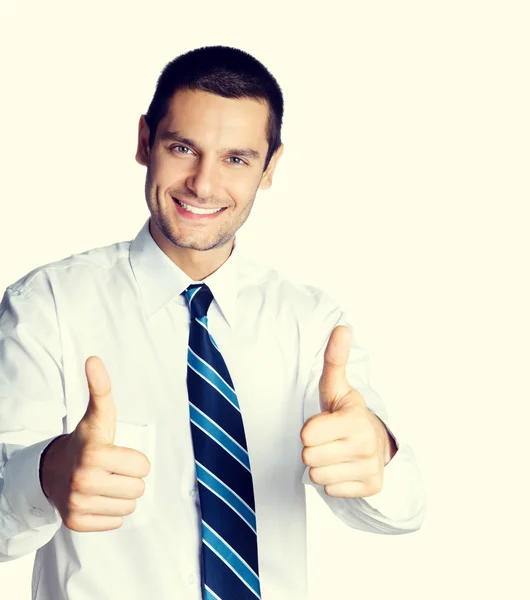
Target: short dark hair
<point>224,71</point>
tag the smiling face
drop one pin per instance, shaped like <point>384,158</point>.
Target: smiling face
<point>209,152</point>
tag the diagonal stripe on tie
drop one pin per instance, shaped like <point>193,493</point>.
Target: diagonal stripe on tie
<point>207,372</point>
<point>220,489</point>
<point>230,557</point>
<point>209,595</point>
<point>211,403</point>
<point>226,467</point>
<point>220,577</point>
<point>229,543</point>
<point>204,322</point>
<point>223,520</point>
<point>211,428</point>
<point>203,344</point>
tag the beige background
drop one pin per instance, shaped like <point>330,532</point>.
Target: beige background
<point>403,189</point>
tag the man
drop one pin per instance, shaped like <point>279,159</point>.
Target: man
<point>163,400</point>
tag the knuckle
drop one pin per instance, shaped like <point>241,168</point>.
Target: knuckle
<point>306,456</point>
<point>333,490</point>
<point>376,468</point>
<point>367,447</point>
<point>140,461</point>
<point>80,480</point>
<point>89,457</point>
<point>71,523</point>
<point>119,508</point>
<point>350,451</point>
<point>147,466</point>
<point>375,485</point>
<point>74,503</point>
<point>306,433</point>
<point>141,488</point>
<point>313,475</point>
<point>363,453</point>
<point>303,437</point>
<point>371,467</point>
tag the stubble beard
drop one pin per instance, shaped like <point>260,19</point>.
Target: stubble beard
<point>159,203</point>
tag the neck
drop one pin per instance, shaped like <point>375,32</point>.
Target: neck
<point>197,264</point>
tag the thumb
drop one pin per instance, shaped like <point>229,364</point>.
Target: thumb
<point>98,424</point>
<point>333,384</point>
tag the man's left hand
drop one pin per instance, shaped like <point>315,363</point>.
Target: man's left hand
<point>346,445</point>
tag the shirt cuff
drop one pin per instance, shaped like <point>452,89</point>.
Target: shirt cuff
<point>401,497</point>
<point>23,490</point>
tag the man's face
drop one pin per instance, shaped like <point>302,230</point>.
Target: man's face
<point>209,152</point>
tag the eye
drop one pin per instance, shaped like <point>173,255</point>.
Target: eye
<point>179,146</point>
<point>241,162</point>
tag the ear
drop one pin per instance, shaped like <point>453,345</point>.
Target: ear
<point>266,178</point>
<point>142,151</point>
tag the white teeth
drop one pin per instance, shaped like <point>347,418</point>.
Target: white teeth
<point>199,211</point>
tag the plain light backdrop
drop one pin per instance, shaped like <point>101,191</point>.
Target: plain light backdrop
<point>403,190</point>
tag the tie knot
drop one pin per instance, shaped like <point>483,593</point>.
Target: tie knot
<point>199,297</point>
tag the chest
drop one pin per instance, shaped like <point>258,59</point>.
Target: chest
<point>147,363</point>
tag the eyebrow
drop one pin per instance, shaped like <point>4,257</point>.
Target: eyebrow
<point>175,136</point>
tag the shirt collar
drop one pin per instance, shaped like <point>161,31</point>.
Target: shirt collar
<point>161,281</point>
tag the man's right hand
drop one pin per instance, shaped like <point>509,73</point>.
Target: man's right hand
<point>92,482</point>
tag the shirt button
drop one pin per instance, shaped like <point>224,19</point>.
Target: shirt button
<point>193,492</point>
<point>191,579</point>
<point>37,512</point>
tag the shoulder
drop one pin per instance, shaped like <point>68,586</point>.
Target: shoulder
<point>74,270</point>
<point>282,291</point>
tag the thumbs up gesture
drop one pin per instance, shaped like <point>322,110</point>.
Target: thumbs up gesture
<point>345,445</point>
<point>92,482</point>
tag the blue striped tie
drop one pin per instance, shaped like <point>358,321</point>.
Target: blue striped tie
<point>229,543</point>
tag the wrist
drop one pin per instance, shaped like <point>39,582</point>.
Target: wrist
<point>391,447</point>
<point>45,460</point>
<point>388,441</point>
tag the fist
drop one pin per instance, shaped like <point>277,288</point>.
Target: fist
<point>92,482</point>
<point>346,445</point>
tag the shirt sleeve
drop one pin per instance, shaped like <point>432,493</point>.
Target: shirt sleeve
<point>400,505</point>
<point>31,413</point>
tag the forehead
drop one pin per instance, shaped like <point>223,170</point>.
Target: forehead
<point>199,114</point>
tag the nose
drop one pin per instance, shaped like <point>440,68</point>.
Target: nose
<point>203,180</point>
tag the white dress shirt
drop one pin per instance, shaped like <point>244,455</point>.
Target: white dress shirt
<point>123,303</point>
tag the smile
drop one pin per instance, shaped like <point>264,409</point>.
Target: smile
<point>192,212</point>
